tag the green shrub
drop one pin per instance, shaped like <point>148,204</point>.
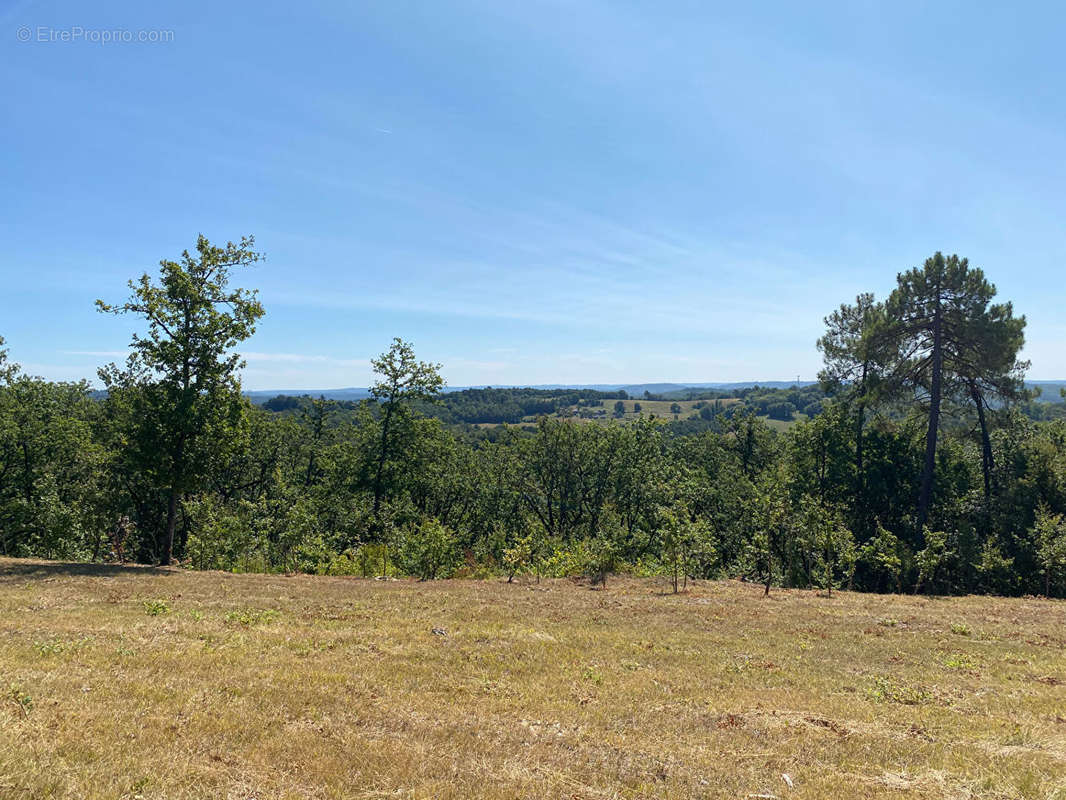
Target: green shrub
<point>247,617</point>
<point>430,550</point>
<point>156,608</point>
<point>886,690</point>
<point>20,698</point>
<point>374,559</point>
<point>600,558</point>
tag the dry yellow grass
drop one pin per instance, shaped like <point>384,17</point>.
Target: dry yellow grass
<point>126,683</point>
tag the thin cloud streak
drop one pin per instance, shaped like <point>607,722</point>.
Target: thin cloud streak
<point>302,358</point>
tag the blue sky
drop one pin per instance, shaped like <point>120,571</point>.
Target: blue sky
<point>530,192</point>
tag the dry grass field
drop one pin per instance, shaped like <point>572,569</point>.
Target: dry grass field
<point>140,683</point>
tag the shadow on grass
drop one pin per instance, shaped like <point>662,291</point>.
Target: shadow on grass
<point>13,570</point>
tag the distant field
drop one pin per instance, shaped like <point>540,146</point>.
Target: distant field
<point>783,424</point>
<point>140,683</point>
<point>659,408</point>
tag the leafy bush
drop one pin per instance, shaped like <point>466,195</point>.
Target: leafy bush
<point>156,608</point>
<point>886,690</point>
<point>600,558</point>
<point>248,617</point>
<point>430,551</point>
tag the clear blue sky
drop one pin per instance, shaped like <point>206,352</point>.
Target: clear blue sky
<point>531,192</point>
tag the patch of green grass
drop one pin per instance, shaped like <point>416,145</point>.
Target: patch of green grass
<point>959,660</point>
<point>50,647</point>
<point>248,617</point>
<point>156,608</point>
<point>54,647</point>
<point>885,690</point>
<point>20,698</point>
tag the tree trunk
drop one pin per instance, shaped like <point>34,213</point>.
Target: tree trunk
<point>829,559</point>
<point>935,390</point>
<point>166,554</point>
<point>860,423</point>
<point>378,488</point>
<point>769,562</point>
<point>986,444</point>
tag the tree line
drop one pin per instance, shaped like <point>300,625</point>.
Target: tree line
<point>919,471</point>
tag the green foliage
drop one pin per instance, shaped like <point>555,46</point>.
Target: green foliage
<point>178,397</point>
<point>885,690</point>
<point>173,462</point>
<point>685,544</point>
<point>933,560</point>
<point>960,661</point>
<point>429,550</point>
<point>882,560</point>
<point>20,698</point>
<point>1049,535</point>
<point>249,617</point>
<point>829,546</point>
<point>599,557</point>
<point>155,607</point>
<point>995,571</point>
<point>402,380</point>
<point>52,481</point>
<point>941,336</point>
<point>523,555</point>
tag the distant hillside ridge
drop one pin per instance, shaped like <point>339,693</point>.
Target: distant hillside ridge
<point>1049,390</point>
<point>632,389</point>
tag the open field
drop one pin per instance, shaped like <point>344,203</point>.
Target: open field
<point>661,408</point>
<point>782,424</point>
<point>141,683</point>
<point>657,408</point>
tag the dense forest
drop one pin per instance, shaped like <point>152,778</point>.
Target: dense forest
<point>920,462</point>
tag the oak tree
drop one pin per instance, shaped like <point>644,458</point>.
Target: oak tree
<point>181,376</point>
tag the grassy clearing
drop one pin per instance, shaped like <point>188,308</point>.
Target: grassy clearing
<point>783,424</point>
<point>661,408</point>
<point>139,683</point>
<point>657,408</point>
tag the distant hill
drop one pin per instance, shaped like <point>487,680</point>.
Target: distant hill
<point>633,389</point>
<point>1049,390</point>
<point>353,393</point>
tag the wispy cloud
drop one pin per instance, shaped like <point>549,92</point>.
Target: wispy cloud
<point>473,363</point>
<point>97,353</point>
<point>303,358</point>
